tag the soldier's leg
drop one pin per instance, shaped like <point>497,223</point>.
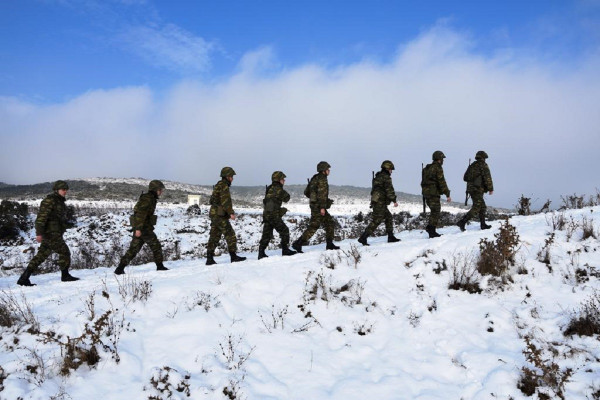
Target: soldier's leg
<point>477,198</point>
<point>389,224</point>
<point>152,241</point>
<point>59,246</point>
<point>216,230</point>
<point>315,223</point>
<point>43,252</point>
<point>378,216</point>
<point>329,225</point>
<point>230,237</point>
<point>283,230</point>
<point>433,202</point>
<point>267,234</point>
<point>134,247</point>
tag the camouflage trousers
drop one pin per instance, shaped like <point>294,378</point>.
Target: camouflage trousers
<point>479,208</point>
<point>433,202</point>
<point>220,226</point>
<point>52,243</point>
<point>380,214</point>
<point>270,223</point>
<point>148,237</point>
<point>316,221</point>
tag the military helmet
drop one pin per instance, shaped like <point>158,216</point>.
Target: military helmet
<point>226,172</point>
<point>481,154</point>
<point>277,176</point>
<point>438,155</point>
<point>323,166</point>
<point>155,185</point>
<point>60,185</point>
<point>387,164</point>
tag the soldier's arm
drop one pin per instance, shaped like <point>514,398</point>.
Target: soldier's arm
<point>322,193</point>
<point>442,185</point>
<point>140,213</point>
<point>487,176</point>
<point>226,202</point>
<point>42,217</point>
<point>283,195</point>
<point>390,193</point>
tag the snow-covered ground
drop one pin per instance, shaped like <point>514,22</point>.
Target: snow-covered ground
<point>317,325</point>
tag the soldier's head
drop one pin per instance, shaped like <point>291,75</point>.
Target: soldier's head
<point>156,186</point>
<point>227,173</point>
<point>481,155</point>
<point>61,188</point>
<point>388,166</point>
<point>278,176</point>
<point>323,167</point>
<point>438,156</point>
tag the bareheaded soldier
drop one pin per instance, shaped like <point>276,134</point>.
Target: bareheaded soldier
<point>142,224</point>
<point>382,194</point>
<point>433,185</point>
<point>318,192</point>
<point>221,211</point>
<point>50,225</point>
<point>272,216</point>
<point>479,181</point>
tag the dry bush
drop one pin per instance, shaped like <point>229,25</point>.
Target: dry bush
<point>556,221</point>
<point>354,256</point>
<point>167,382</point>
<point>572,202</point>
<point>496,257</point>
<point>523,206</point>
<point>133,289</point>
<point>588,228</point>
<point>586,320</point>
<point>464,275</point>
<point>15,312</point>
<point>276,320</point>
<point>544,253</point>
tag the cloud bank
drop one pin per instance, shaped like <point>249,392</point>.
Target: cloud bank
<point>539,123</point>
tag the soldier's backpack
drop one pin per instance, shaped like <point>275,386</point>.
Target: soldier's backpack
<point>268,202</point>
<point>309,187</point>
<point>473,175</point>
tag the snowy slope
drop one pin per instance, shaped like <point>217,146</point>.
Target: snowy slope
<point>258,330</point>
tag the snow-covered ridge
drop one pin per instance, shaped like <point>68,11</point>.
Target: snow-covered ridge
<point>169,185</point>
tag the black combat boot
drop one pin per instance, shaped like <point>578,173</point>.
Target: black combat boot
<point>363,239</point>
<point>261,253</point>
<point>331,246</point>
<point>24,278</point>
<point>431,231</point>
<point>285,251</point>
<point>392,238</point>
<point>67,277</point>
<point>210,258</point>
<point>297,245</point>
<point>161,267</point>
<point>235,257</point>
<point>461,224</point>
<point>482,222</point>
<point>120,270</point>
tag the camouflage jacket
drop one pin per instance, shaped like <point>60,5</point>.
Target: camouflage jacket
<point>274,196</point>
<point>482,177</point>
<point>382,192</point>
<point>319,193</point>
<point>220,200</point>
<point>52,217</point>
<point>143,218</point>
<point>433,182</point>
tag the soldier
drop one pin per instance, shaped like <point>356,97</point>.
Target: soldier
<point>318,192</point>
<point>50,225</point>
<point>142,224</point>
<point>221,211</point>
<point>272,214</point>
<point>382,194</point>
<point>433,185</point>
<point>479,181</point>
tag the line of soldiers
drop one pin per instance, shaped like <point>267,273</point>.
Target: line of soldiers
<point>51,221</point>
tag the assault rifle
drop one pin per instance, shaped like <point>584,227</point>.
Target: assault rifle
<point>422,195</point>
<point>466,190</point>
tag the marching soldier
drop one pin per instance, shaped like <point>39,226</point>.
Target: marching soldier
<point>142,223</point>
<point>382,194</point>
<point>272,216</point>
<point>479,181</point>
<point>50,225</point>
<point>318,192</point>
<point>433,185</point>
<point>221,211</point>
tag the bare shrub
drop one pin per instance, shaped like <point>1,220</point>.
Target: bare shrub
<point>168,383</point>
<point>523,206</point>
<point>496,257</point>
<point>586,320</point>
<point>364,328</point>
<point>3,376</point>
<point>353,255</point>
<point>464,275</point>
<point>232,352</point>
<point>589,230</point>
<point>15,312</point>
<point>133,289</point>
<point>544,371</point>
<point>330,259</point>
<point>204,300</point>
<point>544,253</point>
<point>546,207</point>
<point>556,221</point>
<point>572,202</point>
<point>276,320</point>
<point>570,227</point>
<point>36,366</point>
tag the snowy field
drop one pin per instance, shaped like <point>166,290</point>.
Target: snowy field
<point>375,322</point>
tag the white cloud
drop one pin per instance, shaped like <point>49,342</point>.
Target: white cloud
<point>538,123</point>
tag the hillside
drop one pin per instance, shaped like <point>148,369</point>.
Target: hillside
<point>364,322</point>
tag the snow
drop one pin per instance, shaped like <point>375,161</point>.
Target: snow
<point>420,339</point>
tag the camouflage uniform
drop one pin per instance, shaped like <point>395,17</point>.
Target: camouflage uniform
<point>272,215</point>
<point>50,225</point>
<point>382,194</point>
<point>432,187</point>
<point>220,212</point>
<point>143,220</point>
<point>477,185</point>
<point>319,200</point>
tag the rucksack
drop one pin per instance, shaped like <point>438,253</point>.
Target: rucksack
<point>473,175</point>
<point>309,187</point>
<point>426,176</point>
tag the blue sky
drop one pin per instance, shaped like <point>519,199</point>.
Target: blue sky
<point>178,89</point>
